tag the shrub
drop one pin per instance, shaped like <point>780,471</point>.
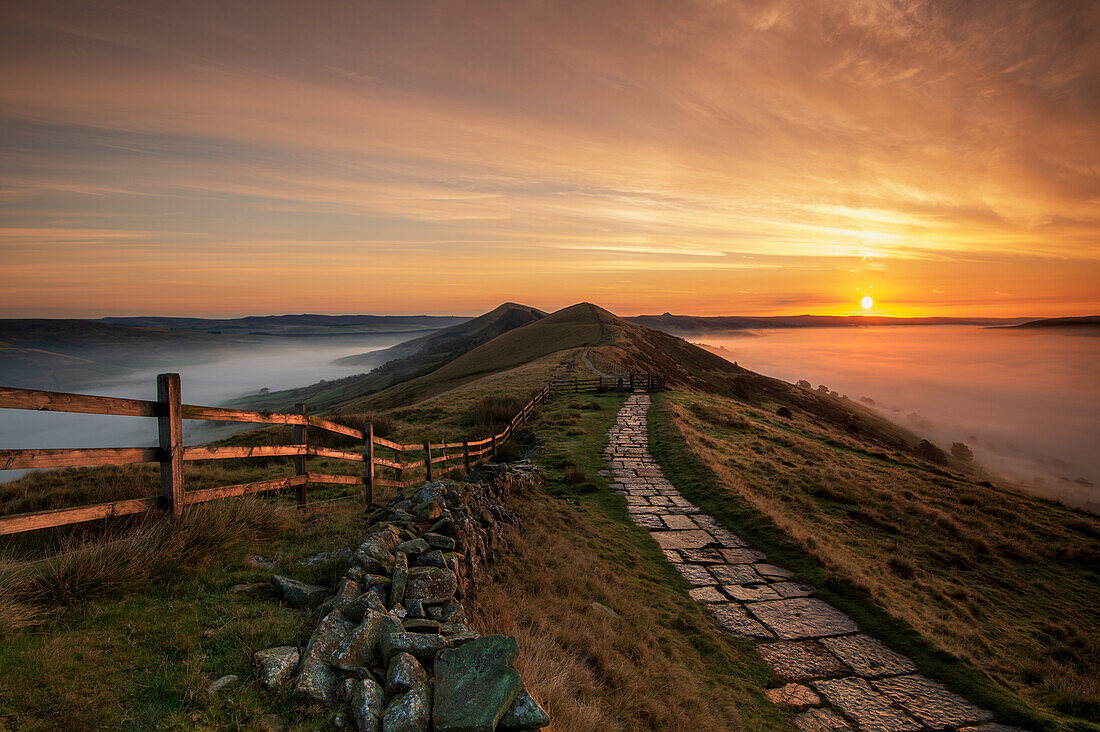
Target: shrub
<point>961,451</point>
<point>925,450</point>
<point>784,413</point>
<point>492,413</point>
<point>901,567</point>
<point>574,474</point>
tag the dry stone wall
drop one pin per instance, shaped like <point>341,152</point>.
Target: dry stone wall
<point>391,649</point>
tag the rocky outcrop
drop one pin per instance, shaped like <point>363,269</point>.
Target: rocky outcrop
<point>392,650</point>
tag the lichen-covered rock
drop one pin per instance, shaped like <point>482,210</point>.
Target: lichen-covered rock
<point>438,541</point>
<point>277,665</point>
<point>359,648</point>
<point>316,678</point>
<point>415,547</point>
<point>299,594</point>
<point>409,712</point>
<point>404,673</point>
<point>421,645</point>
<point>367,704</point>
<point>374,554</point>
<point>475,684</point>
<point>431,584</point>
<point>524,714</point>
<point>448,612</point>
<point>357,609</point>
<point>434,558</point>
<point>421,625</point>
<point>378,582</point>
<point>399,578</point>
<point>222,683</point>
<point>346,592</point>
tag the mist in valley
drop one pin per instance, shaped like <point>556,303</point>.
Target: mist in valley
<point>1027,403</point>
<point>282,364</point>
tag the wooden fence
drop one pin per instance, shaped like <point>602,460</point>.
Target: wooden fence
<point>409,463</point>
<point>623,382</point>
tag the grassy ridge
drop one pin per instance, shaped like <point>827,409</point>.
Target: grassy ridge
<point>662,663</point>
<point>1006,583</point>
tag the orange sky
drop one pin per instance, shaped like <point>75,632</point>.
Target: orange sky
<point>772,157</point>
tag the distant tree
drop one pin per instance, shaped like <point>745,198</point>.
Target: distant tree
<point>925,450</point>
<point>867,400</point>
<point>961,451</point>
<point>823,389</point>
<point>802,383</point>
<point>265,390</point>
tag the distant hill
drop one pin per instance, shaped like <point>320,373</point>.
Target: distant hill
<point>696,325</point>
<point>49,353</point>
<point>455,340</point>
<point>403,362</point>
<point>297,325</point>
<point>623,345</point>
<point>1084,323</point>
<point>572,328</point>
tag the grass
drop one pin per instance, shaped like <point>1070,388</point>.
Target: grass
<point>992,592</point>
<point>660,662</point>
<point>131,634</point>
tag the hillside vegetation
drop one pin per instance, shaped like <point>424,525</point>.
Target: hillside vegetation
<point>399,363</point>
<point>618,645</point>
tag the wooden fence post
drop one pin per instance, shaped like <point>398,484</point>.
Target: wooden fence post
<point>398,473</point>
<point>170,432</point>
<point>368,458</point>
<point>466,454</point>
<point>428,460</point>
<point>494,438</point>
<point>300,438</point>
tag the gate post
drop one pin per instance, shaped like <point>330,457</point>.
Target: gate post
<point>170,434</point>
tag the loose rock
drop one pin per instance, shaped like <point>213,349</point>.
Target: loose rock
<point>404,673</point>
<point>475,684</point>
<point>299,594</point>
<point>277,665</point>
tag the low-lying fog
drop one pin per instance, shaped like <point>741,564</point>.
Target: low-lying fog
<point>1026,402</point>
<point>298,362</point>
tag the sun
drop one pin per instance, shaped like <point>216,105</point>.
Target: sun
<point>867,303</point>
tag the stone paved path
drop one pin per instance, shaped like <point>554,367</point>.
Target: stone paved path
<point>840,678</point>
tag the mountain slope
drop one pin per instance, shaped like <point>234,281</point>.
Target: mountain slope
<point>451,342</point>
<point>570,329</point>
<point>400,363</point>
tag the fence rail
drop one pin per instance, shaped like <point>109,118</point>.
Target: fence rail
<point>409,463</point>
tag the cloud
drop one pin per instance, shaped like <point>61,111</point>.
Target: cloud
<point>559,137</point>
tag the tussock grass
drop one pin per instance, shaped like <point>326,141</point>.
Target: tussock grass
<point>131,559</point>
<point>491,414</point>
<point>1005,582</point>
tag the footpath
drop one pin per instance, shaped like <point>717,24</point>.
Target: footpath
<point>838,678</point>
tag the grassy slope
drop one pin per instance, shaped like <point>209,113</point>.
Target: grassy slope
<point>139,654</point>
<point>663,664</point>
<point>564,331</point>
<point>400,363</point>
<point>128,650</point>
<point>1006,583</point>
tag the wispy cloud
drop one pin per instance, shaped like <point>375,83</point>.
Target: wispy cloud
<point>547,146</point>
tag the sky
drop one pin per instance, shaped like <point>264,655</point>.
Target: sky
<point>700,157</point>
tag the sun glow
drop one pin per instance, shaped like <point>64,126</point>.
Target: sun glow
<point>866,303</point>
